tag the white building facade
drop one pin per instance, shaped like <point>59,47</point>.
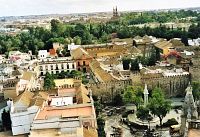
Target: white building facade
<point>21,120</point>
<point>56,65</point>
<point>42,54</point>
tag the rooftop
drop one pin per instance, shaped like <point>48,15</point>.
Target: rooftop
<point>61,82</point>
<point>194,133</point>
<point>80,53</point>
<point>65,111</point>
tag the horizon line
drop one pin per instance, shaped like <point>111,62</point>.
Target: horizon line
<point>137,10</point>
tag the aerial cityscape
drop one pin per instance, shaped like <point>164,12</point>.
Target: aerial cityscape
<point>88,68</point>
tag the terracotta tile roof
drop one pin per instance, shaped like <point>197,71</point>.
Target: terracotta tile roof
<point>163,44</point>
<point>27,75</point>
<point>176,43</point>
<point>66,91</point>
<point>194,133</point>
<point>80,53</point>
<point>52,91</point>
<point>38,101</point>
<point>90,132</point>
<point>24,98</point>
<point>61,82</point>
<point>52,52</point>
<point>49,112</point>
<point>102,75</point>
<point>82,95</point>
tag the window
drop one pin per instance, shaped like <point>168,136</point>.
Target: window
<point>67,66</point>
<point>41,68</point>
<point>51,67</point>
<point>62,66</point>
<point>57,66</point>
<point>73,66</point>
<point>78,63</point>
<point>84,63</point>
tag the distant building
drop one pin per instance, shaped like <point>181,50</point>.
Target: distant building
<point>115,13</point>
<point>194,42</point>
<point>72,46</point>
<point>42,54</point>
<point>145,44</point>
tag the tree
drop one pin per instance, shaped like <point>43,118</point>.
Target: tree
<point>184,39</point>
<point>118,100</point>
<point>143,113</point>
<point>157,54</point>
<point>126,62</point>
<point>77,40</point>
<point>152,59</point>
<point>49,81</point>
<point>6,121</point>
<point>54,25</point>
<point>158,105</point>
<point>135,65</point>
<point>98,107</point>
<point>101,125</point>
<point>196,90</point>
<point>133,94</point>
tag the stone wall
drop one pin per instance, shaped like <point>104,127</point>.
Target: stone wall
<point>107,91</point>
<point>173,85</point>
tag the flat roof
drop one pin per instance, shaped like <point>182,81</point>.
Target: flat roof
<point>60,82</point>
<point>64,112</point>
<point>61,101</point>
<point>194,133</point>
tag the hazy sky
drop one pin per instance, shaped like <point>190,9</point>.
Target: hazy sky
<point>32,7</point>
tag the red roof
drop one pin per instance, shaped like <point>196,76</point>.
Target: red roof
<point>49,112</point>
<point>173,53</point>
<point>52,52</point>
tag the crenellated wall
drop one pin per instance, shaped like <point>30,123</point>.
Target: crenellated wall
<point>172,85</point>
<point>108,90</point>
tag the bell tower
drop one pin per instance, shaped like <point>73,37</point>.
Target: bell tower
<point>115,12</point>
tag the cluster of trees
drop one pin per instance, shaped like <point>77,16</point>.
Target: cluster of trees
<point>6,121</point>
<point>39,38</point>
<point>133,64</point>
<point>133,94</point>
<point>49,81</point>
<point>196,89</point>
<point>157,105</point>
<point>161,17</point>
<point>100,120</point>
<point>49,78</point>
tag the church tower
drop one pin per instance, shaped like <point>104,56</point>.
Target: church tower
<point>115,12</point>
<point>189,106</point>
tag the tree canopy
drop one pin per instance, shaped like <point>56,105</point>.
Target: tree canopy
<point>196,90</point>
<point>87,33</point>
<point>49,81</point>
<point>158,105</point>
<point>133,94</point>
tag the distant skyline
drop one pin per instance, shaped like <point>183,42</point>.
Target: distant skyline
<point>41,7</point>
